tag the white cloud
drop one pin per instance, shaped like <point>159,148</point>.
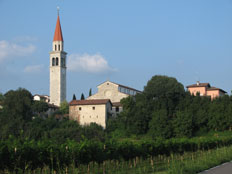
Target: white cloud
<point>9,50</point>
<point>88,63</point>
<point>33,68</point>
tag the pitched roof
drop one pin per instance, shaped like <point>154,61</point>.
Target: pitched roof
<point>116,104</point>
<point>40,95</point>
<point>90,102</point>
<point>214,88</point>
<point>58,32</point>
<point>207,85</point>
<point>121,86</point>
<point>199,85</point>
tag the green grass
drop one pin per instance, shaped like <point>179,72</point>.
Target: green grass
<point>200,161</point>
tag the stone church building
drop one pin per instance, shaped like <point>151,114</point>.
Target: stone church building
<point>98,107</point>
<point>115,92</point>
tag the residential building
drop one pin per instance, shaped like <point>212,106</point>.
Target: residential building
<point>44,98</point>
<point>205,89</point>
<point>90,111</point>
<point>51,107</point>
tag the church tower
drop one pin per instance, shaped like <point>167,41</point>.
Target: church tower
<point>57,67</point>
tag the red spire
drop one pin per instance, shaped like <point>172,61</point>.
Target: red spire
<point>58,32</point>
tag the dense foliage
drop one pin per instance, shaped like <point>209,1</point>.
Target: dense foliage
<point>164,117</point>
<point>164,110</point>
<point>21,117</point>
<point>29,154</point>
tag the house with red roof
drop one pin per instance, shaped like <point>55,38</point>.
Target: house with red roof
<point>205,89</point>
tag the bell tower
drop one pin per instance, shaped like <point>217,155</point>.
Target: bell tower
<point>57,67</point>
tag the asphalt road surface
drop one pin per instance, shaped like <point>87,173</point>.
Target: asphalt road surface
<point>225,168</point>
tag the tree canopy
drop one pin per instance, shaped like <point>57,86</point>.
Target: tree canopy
<point>18,104</point>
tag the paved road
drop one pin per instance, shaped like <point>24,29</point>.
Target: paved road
<point>222,169</point>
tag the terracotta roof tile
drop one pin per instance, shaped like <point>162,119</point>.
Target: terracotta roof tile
<point>214,88</point>
<point>199,85</point>
<point>58,32</point>
<point>89,102</point>
<point>116,104</point>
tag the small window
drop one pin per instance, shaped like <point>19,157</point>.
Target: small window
<point>53,61</point>
<point>117,109</point>
<point>107,83</point>
<point>55,47</point>
<point>93,107</point>
<point>59,47</point>
<point>97,116</point>
<point>80,109</point>
<point>90,116</point>
<point>83,116</point>
<point>57,61</point>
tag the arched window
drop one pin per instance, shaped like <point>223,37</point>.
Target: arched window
<point>55,47</point>
<point>53,61</point>
<point>57,61</point>
<point>59,47</point>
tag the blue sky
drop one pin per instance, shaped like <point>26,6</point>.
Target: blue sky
<point>125,41</point>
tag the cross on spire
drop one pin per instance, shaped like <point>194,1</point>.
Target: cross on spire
<point>58,10</point>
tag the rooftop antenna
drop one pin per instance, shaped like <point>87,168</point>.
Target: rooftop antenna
<point>58,10</point>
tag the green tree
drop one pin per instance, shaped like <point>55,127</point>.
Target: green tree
<point>163,92</point>
<point>74,97</point>
<point>160,125</point>
<point>90,92</point>
<point>1,97</point>
<point>18,103</point>
<point>135,114</point>
<point>82,96</point>
<point>40,106</point>
<point>220,114</point>
<point>16,112</point>
<point>183,124</point>
<point>64,107</point>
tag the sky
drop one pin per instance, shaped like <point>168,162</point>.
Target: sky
<point>124,41</point>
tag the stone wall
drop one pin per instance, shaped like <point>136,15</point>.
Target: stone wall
<point>108,90</point>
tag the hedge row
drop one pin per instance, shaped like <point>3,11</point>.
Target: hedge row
<point>29,154</point>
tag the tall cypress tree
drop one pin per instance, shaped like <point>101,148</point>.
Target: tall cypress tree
<point>90,92</point>
<point>82,96</point>
<point>74,97</point>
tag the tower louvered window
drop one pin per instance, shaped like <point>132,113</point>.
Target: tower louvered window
<point>53,61</point>
<point>57,61</point>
